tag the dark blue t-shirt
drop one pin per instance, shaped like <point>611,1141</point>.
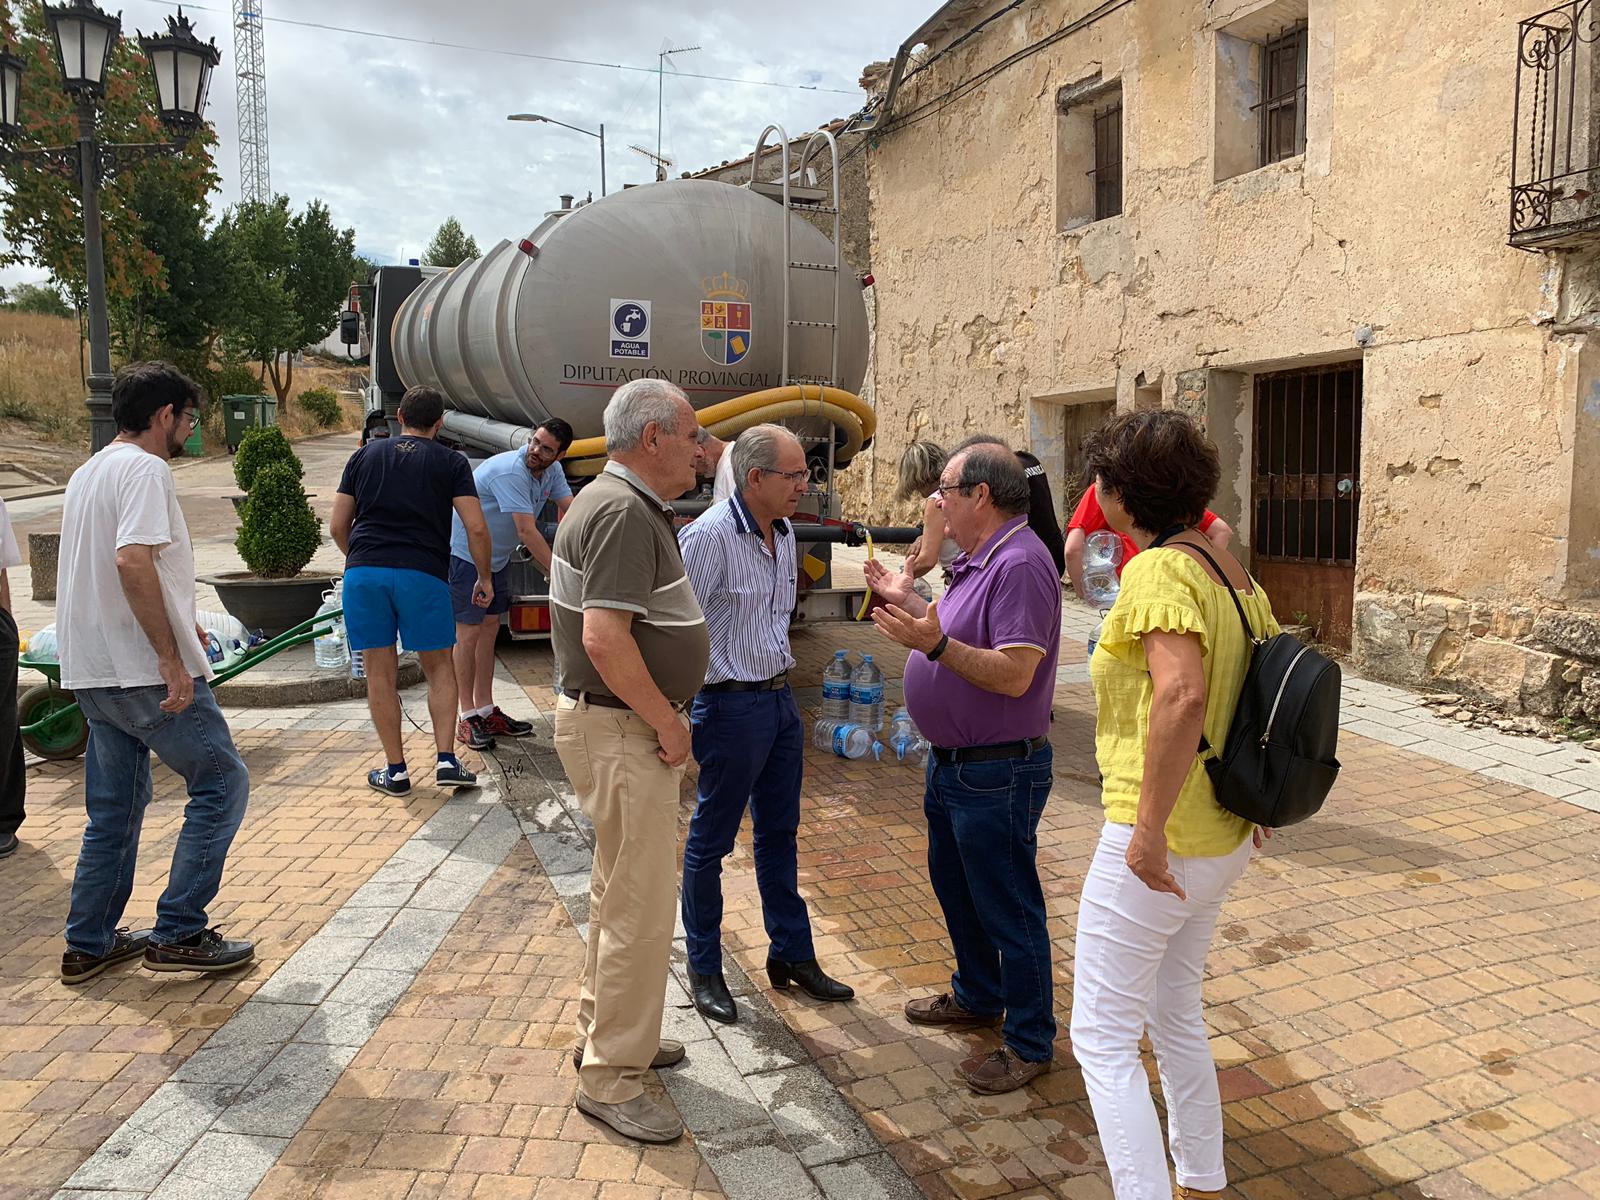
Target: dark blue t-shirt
<point>404,488</point>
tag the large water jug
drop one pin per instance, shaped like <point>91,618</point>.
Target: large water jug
<point>866,695</point>
<point>1102,555</point>
<point>841,737</point>
<point>330,650</point>
<point>836,688</point>
<point>907,743</point>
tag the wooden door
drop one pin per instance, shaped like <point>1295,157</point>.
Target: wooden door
<point>1307,495</point>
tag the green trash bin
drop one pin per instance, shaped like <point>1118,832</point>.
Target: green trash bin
<point>195,446</point>
<point>240,414</point>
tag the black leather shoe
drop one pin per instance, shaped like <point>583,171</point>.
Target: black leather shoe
<point>711,997</point>
<point>813,981</point>
<point>207,950</point>
<point>78,967</point>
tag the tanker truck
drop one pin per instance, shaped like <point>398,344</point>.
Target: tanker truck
<point>727,291</point>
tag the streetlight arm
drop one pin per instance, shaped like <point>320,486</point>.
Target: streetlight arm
<point>58,160</point>
<point>551,121</point>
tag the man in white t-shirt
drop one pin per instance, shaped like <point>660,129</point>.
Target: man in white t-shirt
<point>13,783</point>
<point>132,651</point>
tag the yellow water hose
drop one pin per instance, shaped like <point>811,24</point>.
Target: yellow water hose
<point>866,599</point>
<point>739,405</point>
<point>730,426</point>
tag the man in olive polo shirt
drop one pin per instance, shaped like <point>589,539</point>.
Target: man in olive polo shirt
<point>631,652</point>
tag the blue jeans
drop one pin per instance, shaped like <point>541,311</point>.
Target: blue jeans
<point>982,822</point>
<point>125,725</point>
<point>751,751</point>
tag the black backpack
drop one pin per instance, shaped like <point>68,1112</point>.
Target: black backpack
<point>1277,765</point>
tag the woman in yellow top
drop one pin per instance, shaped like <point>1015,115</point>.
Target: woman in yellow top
<point>1169,666</point>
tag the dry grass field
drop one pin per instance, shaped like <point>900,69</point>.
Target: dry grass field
<point>43,421</point>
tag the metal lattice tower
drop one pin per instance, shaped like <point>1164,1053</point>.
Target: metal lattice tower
<point>250,69</point>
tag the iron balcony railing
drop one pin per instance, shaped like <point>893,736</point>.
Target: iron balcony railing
<point>1555,150</point>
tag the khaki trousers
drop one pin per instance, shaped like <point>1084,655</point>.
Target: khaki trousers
<point>632,797</point>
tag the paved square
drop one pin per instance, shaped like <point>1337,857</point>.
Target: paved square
<point>1403,994</point>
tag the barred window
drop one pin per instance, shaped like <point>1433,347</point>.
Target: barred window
<point>1108,160</point>
<point>1283,96</point>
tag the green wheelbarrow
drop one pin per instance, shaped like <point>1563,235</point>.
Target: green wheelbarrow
<point>53,726</point>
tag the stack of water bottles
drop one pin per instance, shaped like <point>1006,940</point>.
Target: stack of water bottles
<point>1102,555</point>
<point>852,714</point>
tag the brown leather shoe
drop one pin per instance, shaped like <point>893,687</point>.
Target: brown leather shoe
<point>668,1054</point>
<point>943,1010</point>
<point>996,1071</point>
<point>1189,1193</point>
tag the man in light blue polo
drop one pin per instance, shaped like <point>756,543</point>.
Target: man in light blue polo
<point>747,734</point>
<point>513,488</point>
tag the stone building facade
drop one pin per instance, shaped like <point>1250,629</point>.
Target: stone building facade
<point>1290,218</point>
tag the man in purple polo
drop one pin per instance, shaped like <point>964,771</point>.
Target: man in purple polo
<point>979,684</point>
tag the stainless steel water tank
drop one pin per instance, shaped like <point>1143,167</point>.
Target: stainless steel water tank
<point>681,280</point>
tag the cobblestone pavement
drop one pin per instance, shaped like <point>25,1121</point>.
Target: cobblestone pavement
<point>1402,996</point>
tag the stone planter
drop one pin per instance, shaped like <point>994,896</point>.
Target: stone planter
<point>43,551</point>
<point>273,606</point>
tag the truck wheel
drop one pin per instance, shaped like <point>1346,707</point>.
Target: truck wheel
<point>62,738</point>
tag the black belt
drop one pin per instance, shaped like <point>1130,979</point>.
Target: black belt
<point>602,700</point>
<point>774,684</point>
<point>995,753</point>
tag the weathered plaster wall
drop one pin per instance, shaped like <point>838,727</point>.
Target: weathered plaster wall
<point>1479,422</point>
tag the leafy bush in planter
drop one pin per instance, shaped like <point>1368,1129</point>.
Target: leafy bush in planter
<point>278,532</point>
<point>260,447</point>
<point>323,405</point>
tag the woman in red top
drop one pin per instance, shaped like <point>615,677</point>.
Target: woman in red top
<point>1089,519</point>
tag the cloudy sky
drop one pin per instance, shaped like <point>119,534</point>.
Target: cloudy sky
<point>394,133</point>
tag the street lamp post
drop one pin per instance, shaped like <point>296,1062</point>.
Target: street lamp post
<point>84,39</point>
<point>552,121</point>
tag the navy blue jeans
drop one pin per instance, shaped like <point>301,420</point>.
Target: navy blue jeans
<point>751,751</point>
<point>982,822</point>
<point>125,725</point>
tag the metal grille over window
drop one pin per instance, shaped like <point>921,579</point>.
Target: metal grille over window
<point>1555,149</point>
<point>1308,470</point>
<point>1107,171</point>
<point>1283,96</point>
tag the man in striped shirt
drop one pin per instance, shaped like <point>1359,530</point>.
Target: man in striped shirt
<point>748,736</point>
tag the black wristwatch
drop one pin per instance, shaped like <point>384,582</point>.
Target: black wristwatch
<point>933,655</point>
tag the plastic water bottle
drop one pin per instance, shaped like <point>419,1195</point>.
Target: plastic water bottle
<point>843,738</point>
<point>330,650</point>
<point>909,746</point>
<point>836,688</point>
<point>358,665</point>
<point>1094,636</point>
<point>866,695</point>
<point>1102,555</point>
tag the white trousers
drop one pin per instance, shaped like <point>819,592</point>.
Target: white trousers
<point>1138,966</point>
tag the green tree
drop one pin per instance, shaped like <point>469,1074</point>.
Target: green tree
<point>179,315</point>
<point>42,218</point>
<point>451,246</point>
<point>40,298</point>
<point>288,277</point>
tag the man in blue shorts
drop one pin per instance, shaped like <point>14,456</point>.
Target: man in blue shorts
<point>513,488</point>
<point>392,520</point>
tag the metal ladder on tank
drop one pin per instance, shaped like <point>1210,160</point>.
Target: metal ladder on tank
<point>796,196</point>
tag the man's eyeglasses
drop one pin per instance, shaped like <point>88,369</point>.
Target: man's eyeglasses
<point>192,417</point>
<point>939,493</point>
<point>791,476</point>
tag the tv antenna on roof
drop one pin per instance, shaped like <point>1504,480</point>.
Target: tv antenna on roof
<point>666,52</point>
<point>661,163</point>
